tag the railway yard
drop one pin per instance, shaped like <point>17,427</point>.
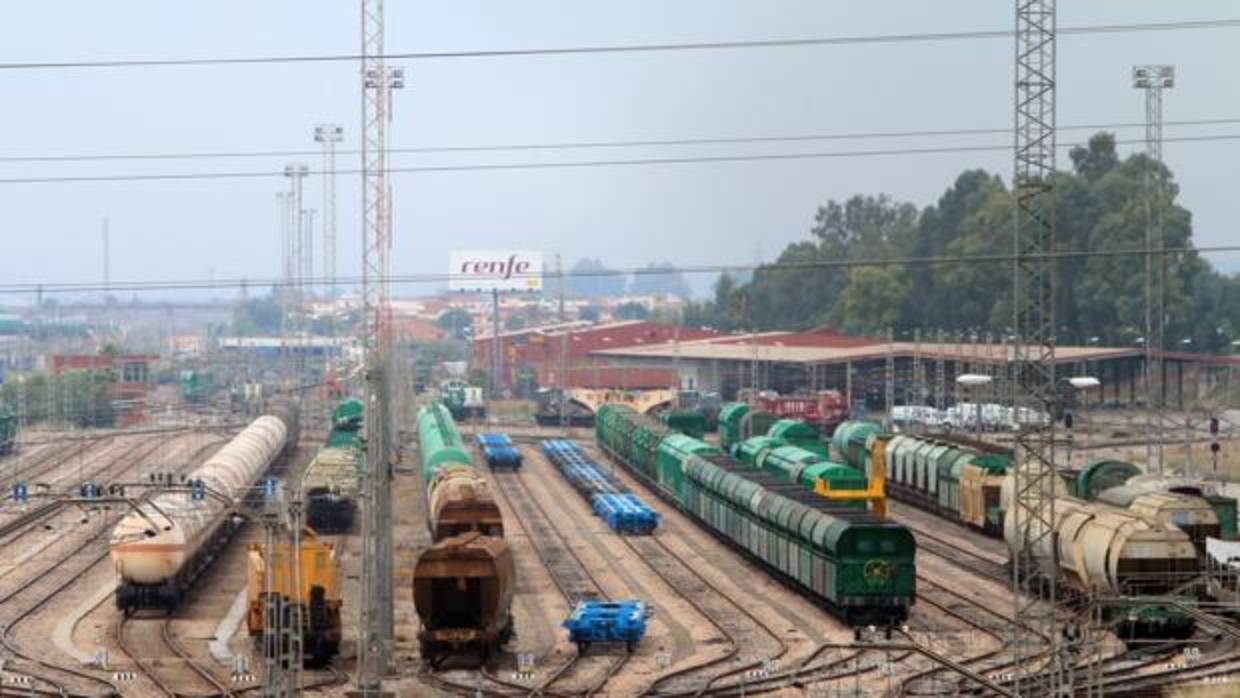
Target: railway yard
<point>946,406</point>
<point>719,621</point>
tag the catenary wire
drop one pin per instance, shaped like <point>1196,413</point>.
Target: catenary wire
<point>414,279</point>
<point>573,164</point>
<point>920,37</point>
<point>633,143</point>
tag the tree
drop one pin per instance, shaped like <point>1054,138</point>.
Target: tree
<point>632,311</point>
<point>590,277</point>
<point>458,323</point>
<point>258,316</point>
<point>660,277</point>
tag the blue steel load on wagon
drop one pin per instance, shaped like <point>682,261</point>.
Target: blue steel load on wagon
<point>498,451</point>
<point>607,621</point>
<point>609,498</point>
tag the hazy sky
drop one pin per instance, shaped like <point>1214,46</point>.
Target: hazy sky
<point>685,213</point>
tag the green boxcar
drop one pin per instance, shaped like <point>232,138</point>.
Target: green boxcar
<point>851,441</point>
<point>730,424</point>
<point>632,436</point>
<point>688,422</point>
<point>346,421</point>
<point>438,441</point>
<point>805,468</point>
<point>860,566</point>
<point>1225,508</point>
<point>672,452</point>
<point>794,432</point>
<point>1100,475</point>
<point>751,450</point>
<point>8,430</point>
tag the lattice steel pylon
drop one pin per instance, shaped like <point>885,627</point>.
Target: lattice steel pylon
<point>1033,506</point>
<point>378,81</point>
<point>1154,79</point>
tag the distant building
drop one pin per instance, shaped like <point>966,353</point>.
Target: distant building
<point>133,379</point>
<point>538,350</point>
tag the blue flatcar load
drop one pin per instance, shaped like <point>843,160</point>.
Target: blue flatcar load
<point>607,621</point>
<point>621,509</point>
<point>498,451</point>
<point>626,513</point>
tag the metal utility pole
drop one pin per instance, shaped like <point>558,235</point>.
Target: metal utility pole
<point>497,357</point>
<point>940,375</point>
<point>1034,594</point>
<point>374,656</point>
<point>328,135</point>
<point>107,259</point>
<point>559,273</point>
<point>296,172</point>
<point>1154,79</point>
<point>889,380</point>
<point>307,267</point>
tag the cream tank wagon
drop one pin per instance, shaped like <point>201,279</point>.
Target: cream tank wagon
<point>162,546</point>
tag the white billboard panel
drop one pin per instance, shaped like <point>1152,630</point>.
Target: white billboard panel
<point>491,270</point>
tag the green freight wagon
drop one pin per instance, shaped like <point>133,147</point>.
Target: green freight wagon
<point>346,424</point>
<point>438,441</point>
<point>851,442</point>
<point>632,436</point>
<point>672,453</point>
<point>860,567</point>
<point>688,422</point>
<point>8,430</point>
<point>730,424</point>
<point>752,449</point>
<point>799,466</point>
<point>1100,475</point>
<point>795,432</point>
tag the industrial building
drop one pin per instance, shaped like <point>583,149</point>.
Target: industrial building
<point>824,359</point>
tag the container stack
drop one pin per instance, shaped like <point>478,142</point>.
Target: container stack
<point>623,511</point>
<point>498,451</point>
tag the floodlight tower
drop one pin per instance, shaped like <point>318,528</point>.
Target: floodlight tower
<point>378,81</point>
<point>1033,508</point>
<point>1153,79</point>
<point>328,135</point>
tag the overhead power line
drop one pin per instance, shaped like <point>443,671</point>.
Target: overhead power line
<point>573,164</point>
<point>572,145</point>
<point>413,279</point>
<point>922,37</point>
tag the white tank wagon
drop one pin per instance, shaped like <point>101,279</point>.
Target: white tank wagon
<point>159,549</point>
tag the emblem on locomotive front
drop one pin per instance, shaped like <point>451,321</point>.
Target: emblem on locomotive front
<point>878,572</point>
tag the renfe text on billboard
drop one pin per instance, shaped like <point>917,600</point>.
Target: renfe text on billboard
<point>495,270</point>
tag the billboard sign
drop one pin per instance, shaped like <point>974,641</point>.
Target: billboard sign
<point>495,270</point>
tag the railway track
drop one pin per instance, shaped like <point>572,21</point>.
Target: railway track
<point>155,653</point>
<point>744,630</point>
<point>22,603</point>
<point>571,577</point>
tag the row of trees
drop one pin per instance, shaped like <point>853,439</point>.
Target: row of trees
<point>591,277</point>
<point>79,398</point>
<point>1103,207</point>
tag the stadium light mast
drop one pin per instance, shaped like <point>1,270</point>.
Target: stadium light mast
<point>378,81</point>
<point>1153,79</point>
<point>328,135</point>
<point>1033,506</point>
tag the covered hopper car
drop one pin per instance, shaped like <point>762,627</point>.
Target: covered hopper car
<point>462,590</point>
<point>272,589</point>
<point>330,486</point>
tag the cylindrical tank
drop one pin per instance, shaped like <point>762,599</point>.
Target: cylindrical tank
<point>149,546</point>
<point>462,590</point>
<point>460,501</point>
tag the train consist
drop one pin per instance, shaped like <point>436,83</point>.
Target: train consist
<point>330,482</point>
<point>273,588</point>
<point>163,546</point>
<point>463,584</point>
<point>1118,545</point>
<point>857,566</point>
<point>623,511</point>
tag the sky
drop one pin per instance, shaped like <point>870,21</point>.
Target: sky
<point>688,214</point>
